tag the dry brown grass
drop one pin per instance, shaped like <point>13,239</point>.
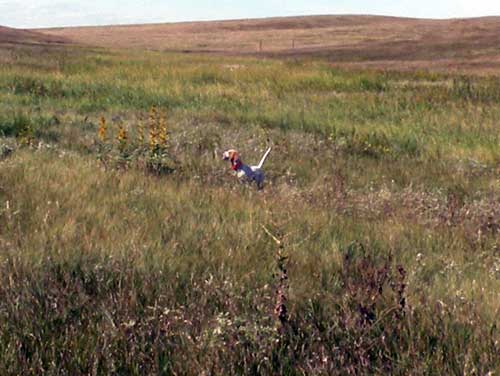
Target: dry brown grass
<point>9,36</point>
<point>356,41</point>
<point>384,188</point>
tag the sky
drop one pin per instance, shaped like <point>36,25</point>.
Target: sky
<point>54,13</point>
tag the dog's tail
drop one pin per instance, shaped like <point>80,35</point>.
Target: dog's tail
<point>264,158</point>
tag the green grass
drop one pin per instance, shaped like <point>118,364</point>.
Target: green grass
<point>383,187</point>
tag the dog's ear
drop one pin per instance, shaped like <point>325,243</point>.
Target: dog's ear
<point>231,155</point>
<point>235,155</point>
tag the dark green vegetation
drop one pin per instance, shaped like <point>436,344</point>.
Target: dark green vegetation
<point>383,187</point>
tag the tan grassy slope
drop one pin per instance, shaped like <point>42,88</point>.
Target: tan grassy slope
<point>375,41</point>
<point>10,36</point>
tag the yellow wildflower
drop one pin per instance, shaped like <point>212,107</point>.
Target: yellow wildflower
<point>102,129</point>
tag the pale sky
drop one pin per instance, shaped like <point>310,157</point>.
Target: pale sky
<point>52,13</point>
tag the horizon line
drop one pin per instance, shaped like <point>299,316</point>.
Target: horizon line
<point>255,19</point>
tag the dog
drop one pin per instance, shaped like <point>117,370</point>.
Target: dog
<point>243,171</point>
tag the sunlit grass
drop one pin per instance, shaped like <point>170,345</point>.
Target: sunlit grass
<point>126,265</point>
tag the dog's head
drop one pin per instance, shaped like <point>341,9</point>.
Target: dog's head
<point>231,155</point>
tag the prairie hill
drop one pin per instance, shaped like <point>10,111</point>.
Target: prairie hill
<point>356,41</point>
<point>15,37</point>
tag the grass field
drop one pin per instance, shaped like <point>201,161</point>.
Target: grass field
<point>126,246</point>
<point>455,45</point>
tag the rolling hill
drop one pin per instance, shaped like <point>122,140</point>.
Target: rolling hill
<point>358,41</point>
<point>10,36</point>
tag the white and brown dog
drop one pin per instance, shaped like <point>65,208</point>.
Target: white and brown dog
<point>243,171</point>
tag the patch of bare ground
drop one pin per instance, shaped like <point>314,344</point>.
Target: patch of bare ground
<point>463,45</point>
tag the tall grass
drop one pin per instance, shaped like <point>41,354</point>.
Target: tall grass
<point>383,188</point>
